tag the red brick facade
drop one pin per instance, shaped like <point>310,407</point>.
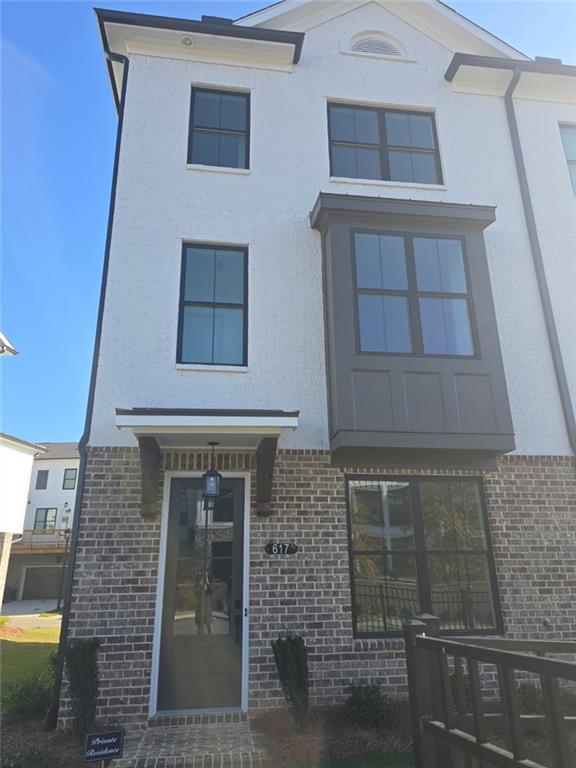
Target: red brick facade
<point>531,503</point>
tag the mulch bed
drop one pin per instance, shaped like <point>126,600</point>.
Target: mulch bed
<point>62,745</point>
<point>331,735</point>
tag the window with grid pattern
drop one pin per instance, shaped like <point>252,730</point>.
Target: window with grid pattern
<point>420,544</point>
<point>412,295</point>
<point>370,143</point>
<point>219,128</point>
<point>213,306</point>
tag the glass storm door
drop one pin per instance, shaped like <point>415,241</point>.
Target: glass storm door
<point>202,614</point>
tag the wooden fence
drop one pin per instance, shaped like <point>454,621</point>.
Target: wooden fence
<point>451,723</point>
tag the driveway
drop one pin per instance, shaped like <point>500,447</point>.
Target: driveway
<point>26,613</point>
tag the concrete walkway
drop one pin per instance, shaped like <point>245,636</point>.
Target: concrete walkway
<point>26,613</point>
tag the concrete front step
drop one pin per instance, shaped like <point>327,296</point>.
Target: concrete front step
<point>221,745</point>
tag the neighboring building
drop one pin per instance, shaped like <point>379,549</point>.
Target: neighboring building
<point>342,246</point>
<point>37,559</point>
<point>16,457</point>
<point>6,348</point>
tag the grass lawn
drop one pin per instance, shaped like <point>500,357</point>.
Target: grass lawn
<point>25,652</point>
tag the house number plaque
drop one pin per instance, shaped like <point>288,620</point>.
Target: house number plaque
<point>279,548</point>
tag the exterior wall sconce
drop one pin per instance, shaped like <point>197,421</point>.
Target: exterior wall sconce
<point>211,483</point>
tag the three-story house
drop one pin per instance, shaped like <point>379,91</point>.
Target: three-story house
<point>341,248</point>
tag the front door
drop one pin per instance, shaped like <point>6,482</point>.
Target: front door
<point>202,612</point>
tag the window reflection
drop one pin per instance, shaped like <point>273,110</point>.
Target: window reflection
<point>204,566</point>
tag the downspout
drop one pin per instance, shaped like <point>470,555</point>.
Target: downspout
<point>51,719</point>
<point>538,261</point>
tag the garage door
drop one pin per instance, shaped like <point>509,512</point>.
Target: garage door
<point>42,583</point>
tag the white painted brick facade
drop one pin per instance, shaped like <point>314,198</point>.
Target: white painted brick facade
<point>161,203</point>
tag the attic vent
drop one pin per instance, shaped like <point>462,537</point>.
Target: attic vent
<point>375,45</point>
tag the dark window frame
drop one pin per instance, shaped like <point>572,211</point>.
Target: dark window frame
<point>65,479</point>
<point>192,127</point>
<point>413,295</point>
<point>420,550</point>
<point>41,485</point>
<point>383,147</point>
<point>182,303</point>
<point>45,510</point>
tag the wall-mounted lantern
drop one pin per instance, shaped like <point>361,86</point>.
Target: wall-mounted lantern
<point>211,483</point>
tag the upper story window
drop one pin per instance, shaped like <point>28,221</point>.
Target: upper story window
<point>369,143</point>
<point>213,305</point>
<point>412,295</point>
<point>41,480</point>
<point>219,128</point>
<point>568,133</point>
<point>69,482</point>
<point>45,518</point>
<point>420,544</point>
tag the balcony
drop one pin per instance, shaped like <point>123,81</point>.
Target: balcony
<point>39,541</point>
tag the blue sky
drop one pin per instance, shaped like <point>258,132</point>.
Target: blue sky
<point>58,133</point>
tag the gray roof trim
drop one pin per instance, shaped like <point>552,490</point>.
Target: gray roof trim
<point>540,65</point>
<point>23,443</point>
<point>204,412</point>
<point>330,204</point>
<point>56,451</point>
<point>295,39</point>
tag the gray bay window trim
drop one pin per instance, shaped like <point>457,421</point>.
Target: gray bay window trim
<point>455,406</point>
<point>385,147</point>
<point>183,303</point>
<point>245,133</point>
<point>421,551</point>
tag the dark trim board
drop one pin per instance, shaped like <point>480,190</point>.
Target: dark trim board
<point>540,65</point>
<point>329,204</point>
<point>219,29</point>
<point>205,412</point>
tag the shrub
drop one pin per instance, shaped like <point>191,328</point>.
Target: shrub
<point>369,706</point>
<point>82,669</point>
<point>18,755</point>
<point>291,659</point>
<point>28,697</point>
<point>530,699</point>
<point>4,621</point>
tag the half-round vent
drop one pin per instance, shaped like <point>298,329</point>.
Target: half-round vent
<point>375,45</point>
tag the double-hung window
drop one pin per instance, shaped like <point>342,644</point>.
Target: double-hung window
<point>45,518</point>
<point>213,305</point>
<point>41,480</point>
<point>412,295</point>
<point>69,482</point>
<point>420,544</point>
<point>568,133</point>
<point>219,122</point>
<point>370,143</point>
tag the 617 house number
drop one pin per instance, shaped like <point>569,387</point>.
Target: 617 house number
<point>278,548</point>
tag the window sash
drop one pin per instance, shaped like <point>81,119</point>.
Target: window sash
<point>69,481</point>
<point>413,295</point>
<point>241,133</point>
<point>421,553</point>
<point>214,305</point>
<point>45,518</point>
<point>384,147</point>
<point>41,480</point>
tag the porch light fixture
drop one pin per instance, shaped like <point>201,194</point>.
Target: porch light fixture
<point>211,483</point>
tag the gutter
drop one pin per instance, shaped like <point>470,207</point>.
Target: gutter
<point>517,67</point>
<point>51,719</point>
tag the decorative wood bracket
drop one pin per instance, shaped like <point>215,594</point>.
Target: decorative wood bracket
<point>150,466</point>
<point>265,459</point>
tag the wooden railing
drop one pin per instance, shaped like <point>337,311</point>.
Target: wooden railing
<point>452,723</point>
<point>41,538</point>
